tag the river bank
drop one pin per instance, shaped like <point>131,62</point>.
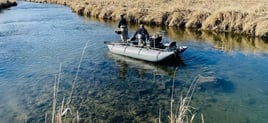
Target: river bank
<point>236,16</point>
<point>7,3</point>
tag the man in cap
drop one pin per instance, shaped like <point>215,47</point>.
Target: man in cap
<point>123,28</point>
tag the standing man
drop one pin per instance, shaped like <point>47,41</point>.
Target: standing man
<point>123,28</point>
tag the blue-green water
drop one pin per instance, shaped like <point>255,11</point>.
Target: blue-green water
<point>36,38</point>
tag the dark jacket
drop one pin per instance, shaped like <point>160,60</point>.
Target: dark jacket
<point>122,21</point>
<point>143,32</point>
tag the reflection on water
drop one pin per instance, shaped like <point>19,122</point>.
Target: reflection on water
<point>111,88</point>
<point>227,42</point>
<point>163,68</point>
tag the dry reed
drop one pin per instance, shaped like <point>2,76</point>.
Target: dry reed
<point>64,108</point>
<point>184,112</point>
<point>46,117</point>
<point>238,16</point>
<point>6,1</point>
<point>55,92</point>
<point>76,75</point>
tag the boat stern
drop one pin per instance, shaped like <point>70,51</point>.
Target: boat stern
<point>181,49</point>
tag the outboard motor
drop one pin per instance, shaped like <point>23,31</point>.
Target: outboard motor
<point>171,46</point>
<point>181,49</point>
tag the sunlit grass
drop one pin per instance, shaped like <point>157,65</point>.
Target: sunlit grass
<point>238,16</point>
<point>6,1</point>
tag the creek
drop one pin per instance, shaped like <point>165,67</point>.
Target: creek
<point>36,38</point>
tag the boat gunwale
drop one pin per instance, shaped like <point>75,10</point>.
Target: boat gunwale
<point>144,47</point>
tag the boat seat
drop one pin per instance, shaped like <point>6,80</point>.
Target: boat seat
<point>156,42</point>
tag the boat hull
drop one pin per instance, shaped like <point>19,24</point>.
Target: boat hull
<point>142,53</point>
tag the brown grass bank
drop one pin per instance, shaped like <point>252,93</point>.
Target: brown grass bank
<point>7,3</point>
<point>248,17</point>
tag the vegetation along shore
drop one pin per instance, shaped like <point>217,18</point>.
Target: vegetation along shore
<point>7,3</point>
<point>237,16</point>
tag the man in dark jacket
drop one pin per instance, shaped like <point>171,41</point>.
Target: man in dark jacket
<point>142,34</point>
<point>123,28</point>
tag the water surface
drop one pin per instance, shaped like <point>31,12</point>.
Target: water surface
<point>36,38</point>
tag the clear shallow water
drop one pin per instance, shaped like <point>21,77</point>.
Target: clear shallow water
<point>36,38</point>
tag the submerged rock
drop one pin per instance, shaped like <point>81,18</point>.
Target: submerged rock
<point>212,83</point>
<point>207,79</point>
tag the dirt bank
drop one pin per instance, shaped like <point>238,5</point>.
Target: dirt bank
<point>238,16</point>
<point>7,3</point>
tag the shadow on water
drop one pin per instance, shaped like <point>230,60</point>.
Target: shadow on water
<point>208,84</point>
<point>164,67</point>
<point>228,42</point>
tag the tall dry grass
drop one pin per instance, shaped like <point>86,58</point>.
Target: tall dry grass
<point>238,16</point>
<point>6,1</point>
<point>184,112</point>
<point>63,113</point>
